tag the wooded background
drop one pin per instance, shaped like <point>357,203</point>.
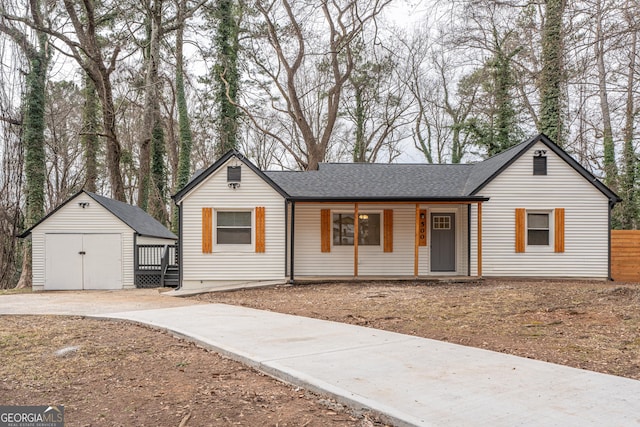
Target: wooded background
<point>128,98</point>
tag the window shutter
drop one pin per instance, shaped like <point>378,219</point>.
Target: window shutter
<point>207,230</point>
<point>559,230</point>
<point>325,230</point>
<point>388,230</point>
<point>260,229</point>
<point>520,229</point>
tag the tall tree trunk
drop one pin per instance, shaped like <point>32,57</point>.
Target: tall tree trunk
<point>552,75</point>
<point>360,149</point>
<point>610,167</point>
<point>33,143</point>
<point>151,108</point>
<point>226,74</point>
<point>89,55</point>
<point>114,149</point>
<point>157,196</point>
<point>184,135</point>
<point>629,216</point>
<point>89,138</point>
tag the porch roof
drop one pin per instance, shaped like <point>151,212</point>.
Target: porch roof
<point>373,181</point>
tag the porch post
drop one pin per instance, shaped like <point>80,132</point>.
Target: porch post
<point>293,241</point>
<point>479,239</point>
<point>356,220</point>
<point>416,241</point>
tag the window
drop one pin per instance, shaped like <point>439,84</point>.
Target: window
<point>538,229</point>
<point>442,222</point>
<point>233,228</point>
<point>368,229</point>
<point>234,173</point>
<point>539,165</point>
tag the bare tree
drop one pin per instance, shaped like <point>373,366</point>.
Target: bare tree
<point>97,56</point>
<point>313,51</point>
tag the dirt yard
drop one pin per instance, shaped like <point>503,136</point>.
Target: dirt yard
<point>589,325</point>
<point>118,374</point>
<point>109,373</point>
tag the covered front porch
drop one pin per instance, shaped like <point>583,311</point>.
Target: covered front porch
<point>373,239</point>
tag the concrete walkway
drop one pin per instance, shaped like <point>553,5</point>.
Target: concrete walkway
<point>411,381</point>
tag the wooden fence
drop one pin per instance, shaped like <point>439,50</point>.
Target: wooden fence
<point>625,255</point>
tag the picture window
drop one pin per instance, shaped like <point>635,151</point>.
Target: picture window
<point>368,229</point>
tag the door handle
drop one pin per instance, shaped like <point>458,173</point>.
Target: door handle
<point>82,252</point>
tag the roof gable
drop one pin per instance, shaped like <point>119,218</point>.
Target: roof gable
<point>134,217</point>
<point>201,176</point>
<point>380,182</point>
<point>484,172</point>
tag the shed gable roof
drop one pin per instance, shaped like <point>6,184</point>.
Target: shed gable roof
<point>140,221</point>
<point>137,219</point>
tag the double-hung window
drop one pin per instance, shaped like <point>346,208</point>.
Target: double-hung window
<point>233,228</point>
<point>537,229</point>
<point>368,229</point>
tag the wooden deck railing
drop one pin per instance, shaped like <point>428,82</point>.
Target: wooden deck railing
<point>152,262</point>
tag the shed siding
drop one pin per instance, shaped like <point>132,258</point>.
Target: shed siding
<point>145,240</point>
<point>372,260</point>
<point>228,264</point>
<point>71,218</point>
<point>586,221</point>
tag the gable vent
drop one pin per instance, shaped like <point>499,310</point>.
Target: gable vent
<point>234,173</point>
<point>540,163</point>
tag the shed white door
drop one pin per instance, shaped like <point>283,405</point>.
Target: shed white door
<point>83,261</point>
<point>63,262</point>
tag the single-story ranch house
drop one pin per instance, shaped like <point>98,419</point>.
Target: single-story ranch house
<point>531,211</point>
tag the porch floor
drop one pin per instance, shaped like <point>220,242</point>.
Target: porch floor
<point>300,280</point>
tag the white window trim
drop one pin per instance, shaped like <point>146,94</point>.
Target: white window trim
<point>540,248</point>
<point>237,248</point>
<point>375,248</point>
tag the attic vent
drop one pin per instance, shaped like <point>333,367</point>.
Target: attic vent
<point>234,173</point>
<point>540,163</point>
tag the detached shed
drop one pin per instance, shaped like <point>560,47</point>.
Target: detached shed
<point>91,242</point>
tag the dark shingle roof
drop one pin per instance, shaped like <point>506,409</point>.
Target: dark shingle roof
<point>484,171</point>
<point>140,221</point>
<point>375,181</point>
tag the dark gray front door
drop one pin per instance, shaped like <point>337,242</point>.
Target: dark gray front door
<point>443,242</point>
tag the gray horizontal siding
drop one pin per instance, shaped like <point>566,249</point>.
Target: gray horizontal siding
<point>586,222</point>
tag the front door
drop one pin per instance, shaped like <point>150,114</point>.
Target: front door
<point>443,242</point>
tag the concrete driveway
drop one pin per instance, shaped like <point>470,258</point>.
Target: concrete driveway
<point>87,303</point>
<point>412,381</point>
